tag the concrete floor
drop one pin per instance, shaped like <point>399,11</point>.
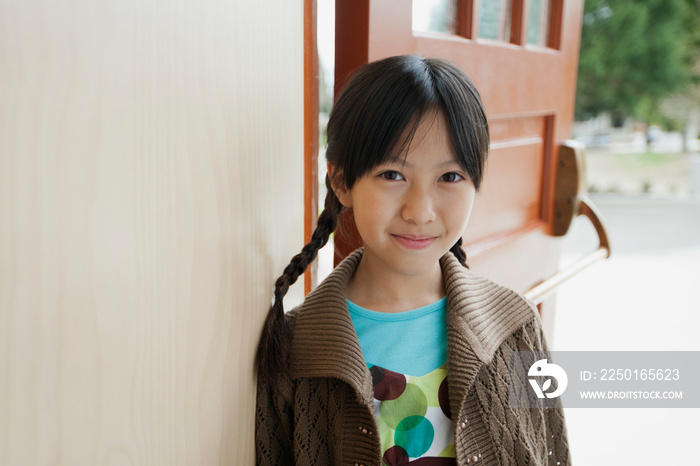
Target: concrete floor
<point>645,297</point>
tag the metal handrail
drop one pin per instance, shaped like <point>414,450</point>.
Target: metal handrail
<point>542,290</point>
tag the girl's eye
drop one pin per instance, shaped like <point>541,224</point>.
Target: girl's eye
<point>451,177</point>
<point>391,175</point>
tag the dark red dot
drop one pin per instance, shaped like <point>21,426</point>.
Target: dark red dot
<point>377,374</point>
<point>395,456</point>
<point>444,399</point>
<point>388,385</point>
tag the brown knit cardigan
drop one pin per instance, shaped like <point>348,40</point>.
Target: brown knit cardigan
<point>322,411</point>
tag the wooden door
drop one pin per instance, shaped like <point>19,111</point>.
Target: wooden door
<point>528,91</point>
<point>151,186</point>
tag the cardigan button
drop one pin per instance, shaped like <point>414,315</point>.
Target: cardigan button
<point>475,459</point>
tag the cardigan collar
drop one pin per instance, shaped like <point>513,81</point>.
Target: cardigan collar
<point>481,315</point>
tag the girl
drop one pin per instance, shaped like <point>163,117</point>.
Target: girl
<point>400,356</point>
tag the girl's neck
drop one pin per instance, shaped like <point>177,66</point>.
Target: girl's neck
<point>375,289</point>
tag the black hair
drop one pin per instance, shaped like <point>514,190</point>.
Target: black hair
<point>373,122</point>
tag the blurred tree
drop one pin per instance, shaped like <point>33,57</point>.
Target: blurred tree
<point>325,92</point>
<point>634,53</point>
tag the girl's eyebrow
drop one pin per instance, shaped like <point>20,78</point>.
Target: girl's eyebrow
<point>408,164</point>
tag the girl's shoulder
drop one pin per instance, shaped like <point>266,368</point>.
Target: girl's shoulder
<point>468,289</point>
<point>486,313</point>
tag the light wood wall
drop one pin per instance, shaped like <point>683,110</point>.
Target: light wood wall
<point>150,192</point>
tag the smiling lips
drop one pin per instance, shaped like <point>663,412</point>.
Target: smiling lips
<point>414,241</point>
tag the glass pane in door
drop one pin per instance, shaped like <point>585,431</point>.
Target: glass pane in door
<point>494,19</point>
<point>434,16</point>
<point>538,22</point>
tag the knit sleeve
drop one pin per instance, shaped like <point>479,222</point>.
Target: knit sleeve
<point>273,423</point>
<point>555,425</point>
<point>522,436</point>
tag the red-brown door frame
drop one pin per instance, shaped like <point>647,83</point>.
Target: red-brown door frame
<point>310,133</point>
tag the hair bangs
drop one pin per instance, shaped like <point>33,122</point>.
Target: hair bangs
<point>377,115</point>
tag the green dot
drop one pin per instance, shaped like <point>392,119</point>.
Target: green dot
<point>430,384</point>
<point>448,452</point>
<point>417,439</point>
<point>386,433</point>
<point>412,402</point>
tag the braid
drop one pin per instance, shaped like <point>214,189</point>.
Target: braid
<point>275,343</point>
<point>459,252</point>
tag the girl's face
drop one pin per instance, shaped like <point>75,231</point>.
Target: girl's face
<point>410,212</point>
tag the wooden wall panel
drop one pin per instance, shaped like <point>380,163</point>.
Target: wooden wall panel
<point>150,192</point>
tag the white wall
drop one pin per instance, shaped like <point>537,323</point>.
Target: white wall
<point>150,192</point>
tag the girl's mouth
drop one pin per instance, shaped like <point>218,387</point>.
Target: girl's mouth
<point>414,242</point>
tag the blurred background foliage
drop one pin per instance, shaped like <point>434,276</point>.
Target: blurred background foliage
<point>636,56</point>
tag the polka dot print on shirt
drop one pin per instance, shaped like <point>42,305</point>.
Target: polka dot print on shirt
<point>413,417</point>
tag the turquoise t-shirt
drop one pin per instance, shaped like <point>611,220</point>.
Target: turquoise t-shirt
<point>411,342</point>
<point>406,353</point>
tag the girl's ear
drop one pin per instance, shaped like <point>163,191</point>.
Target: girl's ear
<point>338,186</point>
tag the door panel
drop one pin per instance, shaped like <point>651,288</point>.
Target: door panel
<point>511,200</point>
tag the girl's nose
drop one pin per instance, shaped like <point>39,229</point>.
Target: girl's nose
<point>419,207</point>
